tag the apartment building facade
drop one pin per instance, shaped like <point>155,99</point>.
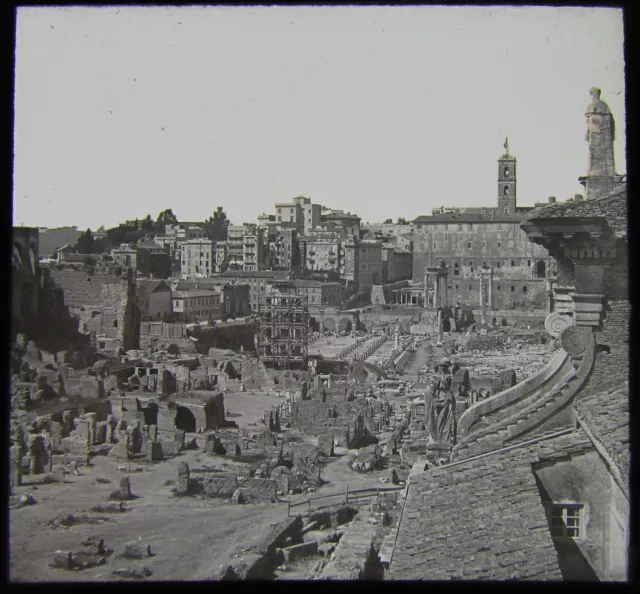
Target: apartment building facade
<point>197,305</point>
<point>196,258</point>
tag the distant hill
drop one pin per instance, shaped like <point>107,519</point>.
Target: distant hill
<point>52,239</point>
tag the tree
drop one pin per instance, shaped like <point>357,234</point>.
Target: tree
<point>166,217</point>
<point>147,224</point>
<point>388,222</point>
<point>85,243</point>
<point>217,225</point>
<point>402,221</point>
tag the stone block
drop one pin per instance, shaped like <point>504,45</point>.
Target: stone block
<point>154,451</point>
<point>282,483</point>
<point>63,560</point>
<point>124,492</point>
<point>300,550</point>
<point>326,444</point>
<point>183,482</point>
<point>219,486</point>
<point>169,448</point>
<point>260,489</point>
<point>136,550</point>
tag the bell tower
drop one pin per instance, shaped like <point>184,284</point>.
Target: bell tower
<point>506,182</point>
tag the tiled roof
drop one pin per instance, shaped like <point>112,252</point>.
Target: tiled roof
<point>189,293</point>
<point>255,274</point>
<point>486,216</point>
<point>606,416</point>
<point>481,519</point>
<point>611,206</point>
<point>146,287</point>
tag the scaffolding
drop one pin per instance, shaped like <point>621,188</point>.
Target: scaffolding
<point>283,327</point>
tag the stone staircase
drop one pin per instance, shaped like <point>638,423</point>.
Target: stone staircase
<point>535,410</point>
<point>355,555</point>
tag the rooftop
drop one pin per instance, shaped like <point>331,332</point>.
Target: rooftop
<point>612,206</point>
<point>606,416</point>
<point>484,216</point>
<point>191,293</point>
<point>481,518</point>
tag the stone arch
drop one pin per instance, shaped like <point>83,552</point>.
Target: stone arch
<point>150,413</point>
<point>185,420</point>
<point>329,325</point>
<point>541,269</point>
<point>345,323</point>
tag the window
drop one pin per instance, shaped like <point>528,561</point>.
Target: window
<point>566,520</point>
<point>469,245</point>
<point>506,211</point>
<point>498,244</point>
<point>512,288</point>
<point>470,287</point>
<point>456,287</point>
<point>484,244</point>
<point>498,264</point>
<point>524,288</point>
<point>506,190</point>
<point>528,262</point>
<point>434,245</point>
<point>498,287</point>
<point>513,262</point>
<point>506,171</point>
<point>115,323</point>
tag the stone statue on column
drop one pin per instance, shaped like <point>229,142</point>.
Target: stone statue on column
<point>600,136</point>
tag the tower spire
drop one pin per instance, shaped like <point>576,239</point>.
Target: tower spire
<point>506,145</point>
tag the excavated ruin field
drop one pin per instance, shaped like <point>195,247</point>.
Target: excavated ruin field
<point>189,537</point>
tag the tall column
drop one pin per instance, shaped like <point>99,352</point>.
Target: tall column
<point>549,293</point>
<point>425,292</point>
<point>483,305</point>
<point>481,289</point>
<point>440,335</point>
<point>491,304</point>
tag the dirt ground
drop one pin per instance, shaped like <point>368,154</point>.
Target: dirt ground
<point>190,537</point>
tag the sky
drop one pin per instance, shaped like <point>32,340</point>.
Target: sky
<point>381,111</point>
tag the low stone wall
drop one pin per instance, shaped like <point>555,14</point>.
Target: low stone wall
<point>355,557</point>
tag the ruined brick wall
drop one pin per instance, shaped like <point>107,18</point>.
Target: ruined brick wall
<point>113,298</point>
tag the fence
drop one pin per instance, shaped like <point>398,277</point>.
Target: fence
<point>347,496</point>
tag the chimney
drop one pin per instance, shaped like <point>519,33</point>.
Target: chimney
<point>578,197</point>
<point>552,199</point>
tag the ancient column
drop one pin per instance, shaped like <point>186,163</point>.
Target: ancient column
<point>67,422</point>
<point>425,292</point>
<point>491,305</point>
<point>483,304</point>
<point>549,294</point>
<point>440,335</point>
<point>110,427</point>
<point>91,422</point>
<point>16,474</point>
